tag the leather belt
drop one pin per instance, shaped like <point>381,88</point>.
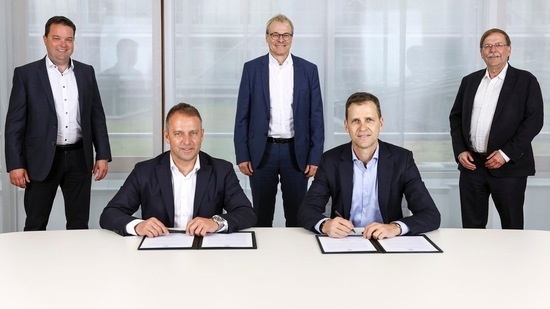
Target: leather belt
<point>69,147</point>
<point>276,140</point>
<point>482,155</point>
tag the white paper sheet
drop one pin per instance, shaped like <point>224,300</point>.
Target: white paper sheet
<point>172,240</point>
<point>346,244</point>
<point>407,244</point>
<point>233,240</point>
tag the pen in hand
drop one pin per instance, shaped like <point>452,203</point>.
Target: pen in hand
<point>339,215</point>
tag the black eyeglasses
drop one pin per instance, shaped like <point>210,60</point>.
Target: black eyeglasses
<point>275,36</point>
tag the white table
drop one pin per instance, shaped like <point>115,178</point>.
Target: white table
<point>100,269</point>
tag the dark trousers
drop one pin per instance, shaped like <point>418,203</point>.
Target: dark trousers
<point>70,173</point>
<point>508,194</point>
<point>278,163</point>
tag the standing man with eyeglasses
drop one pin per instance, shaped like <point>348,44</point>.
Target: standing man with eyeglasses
<point>279,128</point>
<point>497,113</point>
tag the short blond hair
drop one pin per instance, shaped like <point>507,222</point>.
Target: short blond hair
<point>279,18</point>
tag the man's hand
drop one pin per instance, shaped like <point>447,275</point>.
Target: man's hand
<point>151,227</point>
<point>377,230</point>
<point>494,160</point>
<point>19,177</point>
<point>201,226</point>
<point>310,170</point>
<point>100,169</point>
<point>465,159</point>
<point>246,168</point>
<point>337,227</point>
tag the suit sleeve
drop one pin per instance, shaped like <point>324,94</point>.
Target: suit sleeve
<point>240,136</point>
<point>119,211</point>
<point>240,214</point>
<point>531,122</point>
<point>313,206</point>
<point>100,136</point>
<point>16,122</point>
<point>426,216</point>
<point>459,141</point>
<point>317,126</point>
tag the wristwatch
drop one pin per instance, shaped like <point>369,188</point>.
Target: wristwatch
<point>399,226</point>
<point>220,221</point>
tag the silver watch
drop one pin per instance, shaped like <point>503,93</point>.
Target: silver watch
<point>220,221</point>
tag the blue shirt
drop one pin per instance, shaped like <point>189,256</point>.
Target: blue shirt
<point>365,208</point>
<point>364,200</point>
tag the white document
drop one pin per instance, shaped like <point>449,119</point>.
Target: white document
<point>233,240</point>
<point>172,240</point>
<point>407,244</point>
<point>346,244</point>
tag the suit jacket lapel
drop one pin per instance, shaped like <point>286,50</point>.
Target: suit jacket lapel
<point>345,173</point>
<point>45,80</point>
<point>505,92</point>
<point>79,84</point>
<point>298,73</point>
<point>164,178</point>
<point>203,177</point>
<point>469,99</point>
<point>264,73</point>
<point>384,175</point>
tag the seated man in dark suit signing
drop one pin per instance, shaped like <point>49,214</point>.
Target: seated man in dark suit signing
<point>182,188</point>
<point>366,180</point>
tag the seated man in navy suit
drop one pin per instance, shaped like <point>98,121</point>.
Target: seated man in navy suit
<point>366,180</point>
<point>182,188</point>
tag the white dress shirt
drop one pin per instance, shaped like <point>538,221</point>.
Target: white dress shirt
<point>184,198</point>
<point>281,88</point>
<point>184,193</point>
<point>65,96</point>
<point>485,104</point>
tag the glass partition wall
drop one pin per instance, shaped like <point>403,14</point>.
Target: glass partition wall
<point>151,54</point>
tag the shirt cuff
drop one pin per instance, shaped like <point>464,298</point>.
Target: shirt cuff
<point>131,227</point>
<point>318,225</point>
<point>224,228</point>
<point>506,158</point>
<point>404,228</point>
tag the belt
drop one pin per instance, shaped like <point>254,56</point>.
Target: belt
<point>69,147</point>
<point>482,155</point>
<point>276,140</point>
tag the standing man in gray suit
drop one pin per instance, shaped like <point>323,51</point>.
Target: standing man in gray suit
<point>55,120</point>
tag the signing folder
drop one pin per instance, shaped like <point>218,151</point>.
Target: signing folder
<point>177,239</point>
<point>359,244</point>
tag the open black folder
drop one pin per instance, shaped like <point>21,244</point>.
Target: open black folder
<point>177,239</point>
<point>359,244</point>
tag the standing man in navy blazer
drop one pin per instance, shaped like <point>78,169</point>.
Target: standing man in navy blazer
<point>496,115</point>
<point>279,127</point>
<point>183,188</point>
<point>55,120</point>
<point>366,181</point>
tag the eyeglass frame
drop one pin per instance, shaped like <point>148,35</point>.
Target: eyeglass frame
<point>275,36</point>
<point>497,46</point>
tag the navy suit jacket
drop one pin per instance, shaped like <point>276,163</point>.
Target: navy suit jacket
<point>31,121</point>
<point>150,185</point>
<point>253,112</point>
<point>518,118</point>
<point>397,176</point>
